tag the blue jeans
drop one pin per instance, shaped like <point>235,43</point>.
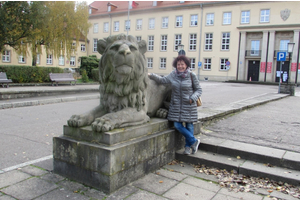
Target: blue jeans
<point>187,132</point>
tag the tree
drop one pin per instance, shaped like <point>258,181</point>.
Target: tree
<point>53,25</point>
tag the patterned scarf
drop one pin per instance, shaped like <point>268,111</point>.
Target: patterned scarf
<point>182,74</point>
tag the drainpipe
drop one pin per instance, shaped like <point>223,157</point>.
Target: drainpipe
<point>111,25</point>
<point>296,82</point>
<point>265,78</point>
<point>238,60</point>
<point>201,7</point>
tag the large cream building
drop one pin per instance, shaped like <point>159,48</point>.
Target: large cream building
<point>236,40</point>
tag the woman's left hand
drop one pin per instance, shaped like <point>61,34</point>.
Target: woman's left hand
<point>191,101</point>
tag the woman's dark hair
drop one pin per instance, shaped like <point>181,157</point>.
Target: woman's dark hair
<point>181,58</point>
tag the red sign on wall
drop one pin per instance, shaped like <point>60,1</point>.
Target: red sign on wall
<point>262,66</point>
<point>269,67</point>
<point>293,67</point>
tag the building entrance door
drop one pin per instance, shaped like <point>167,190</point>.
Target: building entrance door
<point>284,71</point>
<point>253,70</point>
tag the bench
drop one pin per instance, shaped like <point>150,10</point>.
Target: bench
<point>4,80</point>
<point>62,77</point>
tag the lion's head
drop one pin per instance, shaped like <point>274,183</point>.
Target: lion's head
<point>123,75</point>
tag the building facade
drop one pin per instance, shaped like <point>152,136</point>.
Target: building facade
<point>225,40</point>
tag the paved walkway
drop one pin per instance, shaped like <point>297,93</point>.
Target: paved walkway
<point>35,180</point>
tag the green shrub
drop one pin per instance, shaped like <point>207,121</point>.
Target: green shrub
<point>89,63</point>
<point>29,74</point>
<point>85,78</point>
<point>95,75</point>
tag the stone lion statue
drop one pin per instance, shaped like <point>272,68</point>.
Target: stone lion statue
<point>127,96</point>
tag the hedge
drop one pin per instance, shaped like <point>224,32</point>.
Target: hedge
<point>95,75</point>
<point>29,74</point>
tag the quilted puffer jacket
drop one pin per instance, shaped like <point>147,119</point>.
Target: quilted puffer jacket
<point>180,109</point>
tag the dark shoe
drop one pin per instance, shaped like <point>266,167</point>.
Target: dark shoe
<point>187,151</point>
<point>195,146</point>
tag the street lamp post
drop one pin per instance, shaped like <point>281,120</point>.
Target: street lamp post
<point>290,51</point>
<point>180,49</point>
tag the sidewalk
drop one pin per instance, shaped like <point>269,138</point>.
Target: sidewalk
<point>175,181</point>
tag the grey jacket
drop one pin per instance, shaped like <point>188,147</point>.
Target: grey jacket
<point>182,91</point>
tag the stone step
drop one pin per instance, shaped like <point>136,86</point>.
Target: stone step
<point>242,166</point>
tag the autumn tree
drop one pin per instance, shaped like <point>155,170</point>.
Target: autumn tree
<point>53,25</point>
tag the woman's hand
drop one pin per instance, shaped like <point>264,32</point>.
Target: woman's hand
<point>191,101</point>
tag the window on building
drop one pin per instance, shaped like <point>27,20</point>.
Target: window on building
<point>21,59</point>
<point>116,26</point>
<point>139,23</point>
<point>194,20</point>
<point>151,23</point>
<point>150,63</point>
<point>49,59</point>
<point>227,18</point>
<point>163,63</point>
<point>72,61</point>
<point>150,43</point>
<point>164,42</point>
<point>154,3</point>
<point>82,47</point>
<point>127,25</point>
<point>178,21</point>
<point>245,17</point>
<point>223,63</point>
<point>208,41</point>
<point>210,19</point>
<point>177,41</point>
<point>193,42</point>
<point>95,45</point>
<point>225,41</point>
<point>165,22</point>
<point>193,63</point>
<point>207,64</point>
<point>90,11</point>
<point>138,38</point>
<point>96,28</point>
<point>61,60</point>
<point>265,15</point>
<point>255,45</point>
<point>105,27</point>
<point>6,56</point>
<point>38,58</point>
<point>284,45</point>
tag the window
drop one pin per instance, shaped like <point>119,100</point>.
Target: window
<point>165,22</point>
<point>38,58</point>
<point>116,26</point>
<point>151,23</point>
<point>264,15</point>
<point>21,59</point>
<point>127,25</point>
<point>109,8</point>
<point>193,41</point>
<point>284,45</point>
<point>105,27</point>
<point>208,41</point>
<point>139,24</point>
<point>223,63</point>
<point>255,47</point>
<point>150,43</point>
<point>178,21</point>
<point>90,11</point>
<point>61,60</point>
<point>96,28</point>
<point>138,38</point>
<point>82,47</point>
<point>245,17</point>
<point>194,20</point>
<point>164,42</point>
<point>72,61</point>
<point>163,63</point>
<point>210,19</point>
<point>207,64</point>
<point>6,56</point>
<point>193,63</point>
<point>225,41</point>
<point>177,41</point>
<point>227,18</point>
<point>150,63</point>
<point>95,45</point>
<point>49,59</point>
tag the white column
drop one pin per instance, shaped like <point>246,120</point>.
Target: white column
<point>294,63</point>
<point>242,60</point>
<point>263,56</point>
<point>270,77</point>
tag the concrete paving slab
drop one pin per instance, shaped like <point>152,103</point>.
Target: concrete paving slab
<point>202,184</point>
<point>46,164</point>
<point>62,195</point>
<point>123,193</point>
<point>171,174</point>
<point>155,183</point>
<point>5,197</point>
<point>240,195</point>
<point>93,193</point>
<point>34,171</point>
<point>72,185</point>
<point>29,189</point>
<point>51,177</point>
<point>186,191</point>
<point>224,197</point>
<point>280,195</point>
<point>12,177</point>
<point>145,196</point>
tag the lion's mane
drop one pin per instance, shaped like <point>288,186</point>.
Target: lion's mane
<point>118,91</point>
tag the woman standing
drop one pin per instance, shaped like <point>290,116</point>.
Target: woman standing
<point>183,108</point>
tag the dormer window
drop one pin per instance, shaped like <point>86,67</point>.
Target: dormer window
<point>109,8</point>
<point>154,3</point>
<point>181,1</point>
<point>90,11</point>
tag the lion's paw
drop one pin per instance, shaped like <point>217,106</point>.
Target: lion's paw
<point>162,113</point>
<point>102,125</point>
<point>80,120</point>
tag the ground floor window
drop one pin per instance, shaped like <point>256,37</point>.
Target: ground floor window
<point>72,61</point>
<point>6,56</point>
<point>150,63</point>
<point>61,60</point>
<point>163,63</point>
<point>49,59</point>
<point>223,63</point>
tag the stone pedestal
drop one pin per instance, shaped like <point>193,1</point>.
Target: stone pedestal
<point>287,89</point>
<point>110,160</point>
